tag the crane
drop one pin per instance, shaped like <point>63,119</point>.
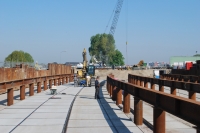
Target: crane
<point>116,12</point>
<point>116,16</point>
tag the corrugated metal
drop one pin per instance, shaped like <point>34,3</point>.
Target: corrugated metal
<point>10,74</point>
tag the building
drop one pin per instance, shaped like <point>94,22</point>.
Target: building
<point>72,63</point>
<point>181,60</point>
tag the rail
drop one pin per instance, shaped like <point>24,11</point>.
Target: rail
<point>174,84</point>
<point>183,108</point>
<point>179,77</point>
<point>12,78</point>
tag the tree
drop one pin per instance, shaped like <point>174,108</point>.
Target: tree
<point>118,58</point>
<point>103,47</point>
<point>197,55</point>
<point>19,56</point>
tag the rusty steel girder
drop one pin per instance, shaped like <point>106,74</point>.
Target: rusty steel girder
<point>188,86</point>
<point>183,108</point>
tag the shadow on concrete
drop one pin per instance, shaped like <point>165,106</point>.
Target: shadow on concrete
<point>113,118</point>
<point>17,97</point>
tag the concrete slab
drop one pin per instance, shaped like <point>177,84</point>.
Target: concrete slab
<point>55,110</point>
<point>87,111</point>
<point>36,111</point>
<point>53,107</point>
<point>6,129</point>
<point>44,122</point>
<point>23,107</point>
<point>92,130</point>
<point>91,115</point>
<point>88,116</point>
<point>89,123</point>
<point>10,122</point>
<point>48,116</point>
<point>15,111</point>
<point>86,107</point>
<point>39,129</point>
<point>14,116</point>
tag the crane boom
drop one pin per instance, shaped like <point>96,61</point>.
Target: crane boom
<point>116,17</point>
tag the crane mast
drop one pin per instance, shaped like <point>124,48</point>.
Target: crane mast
<point>116,17</point>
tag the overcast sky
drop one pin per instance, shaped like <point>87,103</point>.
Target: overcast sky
<point>156,30</point>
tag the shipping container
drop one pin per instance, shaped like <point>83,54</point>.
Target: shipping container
<point>188,65</point>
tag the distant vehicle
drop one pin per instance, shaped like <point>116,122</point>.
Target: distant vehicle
<point>79,66</point>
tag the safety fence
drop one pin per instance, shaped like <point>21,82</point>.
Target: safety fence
<point>57,75</point>
<point>179,77</point>
<point>184,108</point>
<point>192,71</point>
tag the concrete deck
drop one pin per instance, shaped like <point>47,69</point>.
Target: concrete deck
<point>100,116</point>
<point>39,113</point>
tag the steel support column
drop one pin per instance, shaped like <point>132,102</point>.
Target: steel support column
<point>45,85</point>
<point>126,106</point>
<point>173,90</point>
<point>142,82</point>
<point>38,87</point>
<point>55,82</point>
<point>145,83</point>
<point>158,120</point>
<point>192,95</point>
<point>152,84</point>
<point>59,82</point>
<point>135,80</point>
<point>161,87</point>
<point>138,111</point>
<point>63,80</point>
<point>67,79</point>
<point>31,89</point>
<point>114,94</point>
<point>138,81</point>
<point>119,96</point>
<point>22,92</point>
<point>50,83</point>
<point>111,89</point>
<point>10,96</point>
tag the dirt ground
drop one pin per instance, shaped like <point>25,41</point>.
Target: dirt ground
<point>123,74</point>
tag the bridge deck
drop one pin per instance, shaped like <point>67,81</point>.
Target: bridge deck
<point>91,115</point>
<point>38,113</point>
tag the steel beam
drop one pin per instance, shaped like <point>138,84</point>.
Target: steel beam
<point>22,92</point>
<point>119,96</point>
<point>31,89</point>
<point>10,97</point>
<point>50,83</point>
<point>138,111</point>
<point>126,106</point>
<point>158,120</point>
<point>38,87</point>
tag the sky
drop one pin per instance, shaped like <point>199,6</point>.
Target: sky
<point>155,30</point>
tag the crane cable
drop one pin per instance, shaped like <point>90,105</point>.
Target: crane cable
<point>126,32</point>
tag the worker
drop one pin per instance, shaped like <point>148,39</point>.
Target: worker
<point>88,79</point>
<point>97,87</point>
<point>75,80</point>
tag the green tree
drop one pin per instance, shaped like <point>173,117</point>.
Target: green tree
<point>197,55</point>
<point>118,58</point>
<point>103,47</point>
<point>19,56</point>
